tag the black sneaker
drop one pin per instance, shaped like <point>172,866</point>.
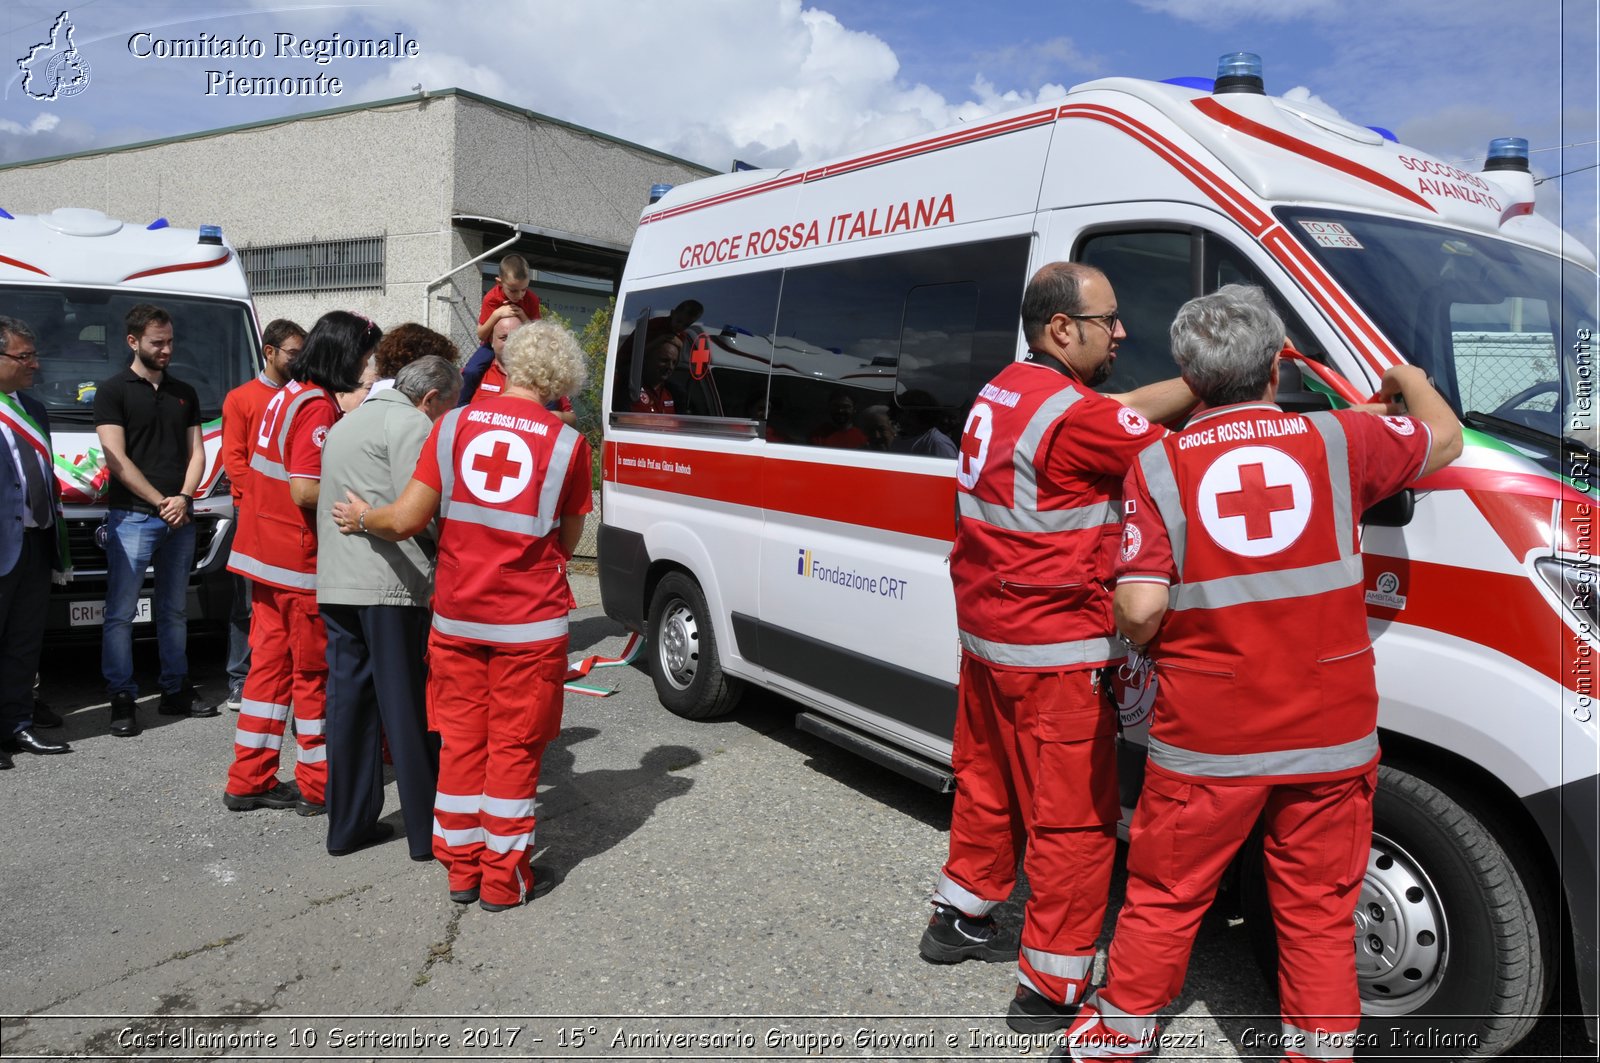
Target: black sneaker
<point>124,716</point>
<point>953,936</point>
<point>464,896</point>
<point>185,701</point>
<point>282,795</point>
<point>302,807</point>
<point>1032,1012</point>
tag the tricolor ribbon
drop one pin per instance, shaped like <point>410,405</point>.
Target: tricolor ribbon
<point>25,428</point>
<point>575,672</point>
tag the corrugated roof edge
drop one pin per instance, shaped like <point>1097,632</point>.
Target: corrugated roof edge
<point>349,109</point>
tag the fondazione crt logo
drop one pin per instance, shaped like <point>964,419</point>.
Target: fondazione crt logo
<point>54,68</point>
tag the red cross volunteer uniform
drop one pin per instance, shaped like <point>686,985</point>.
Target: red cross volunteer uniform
<point>277,549</point>
<point>1266,706</point>
<point>507,472</point>
<point>1039,479</point>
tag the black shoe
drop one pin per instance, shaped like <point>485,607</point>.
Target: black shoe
<point>1032,1012</point>
<point>25,741</point>
<point>124,716</point>
<point>380,833</point>
<point>464,896</point>
<point>282,795</point>
<point>953,936</point>
<point>185,701</point>
<point>490,906</point>
<point>302,807</point>
<point>5,761</point>
<point>422,858</point>
<point>44,716</point>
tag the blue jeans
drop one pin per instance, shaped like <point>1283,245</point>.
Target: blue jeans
<point>135,543</point>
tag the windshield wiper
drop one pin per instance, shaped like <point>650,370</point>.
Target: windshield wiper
<point>1475,419</point>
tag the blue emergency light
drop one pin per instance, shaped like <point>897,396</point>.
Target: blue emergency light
<point>159,223</point>
<point>1508,153</point>
<point>211,234</point>
<point>657,191</point>
<point>1239,72</point>
<point>6,215</point>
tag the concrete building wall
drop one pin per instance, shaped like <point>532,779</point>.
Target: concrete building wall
<point>398,170</point>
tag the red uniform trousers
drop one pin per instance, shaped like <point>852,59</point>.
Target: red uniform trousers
<point>288,666</point>
<point>1184,835</point>
<point>496,708</point>
<point>1035,761</point>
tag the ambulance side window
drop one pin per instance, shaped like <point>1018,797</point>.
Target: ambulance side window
<point>1156,272</point>
<point>702,348</point>
<point>886,353</point>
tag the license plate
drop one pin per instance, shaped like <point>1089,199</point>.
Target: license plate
<point>93,614</point>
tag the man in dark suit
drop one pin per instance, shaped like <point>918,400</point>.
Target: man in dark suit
<point>30,545</point>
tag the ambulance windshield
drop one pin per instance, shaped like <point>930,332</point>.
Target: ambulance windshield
<point>1494,324</point>
<point>81,341</point>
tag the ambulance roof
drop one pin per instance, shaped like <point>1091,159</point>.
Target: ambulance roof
<point>1271,149</point>
<point>76,246</point>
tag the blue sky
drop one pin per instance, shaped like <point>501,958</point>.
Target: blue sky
<point>778,82</point>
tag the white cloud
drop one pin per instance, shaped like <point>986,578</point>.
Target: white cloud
<point>43,123</point>
<point>1222,12</point>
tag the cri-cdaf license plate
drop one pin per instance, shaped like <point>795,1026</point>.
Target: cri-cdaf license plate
<point>93,614</point>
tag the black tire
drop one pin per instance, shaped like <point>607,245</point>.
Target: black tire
<point>1453,954</point>
<point>683,652</point>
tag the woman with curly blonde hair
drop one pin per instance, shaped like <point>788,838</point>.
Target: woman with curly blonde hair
<point>510,485</point>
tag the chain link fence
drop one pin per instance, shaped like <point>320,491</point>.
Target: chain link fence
<point>1492,367</point>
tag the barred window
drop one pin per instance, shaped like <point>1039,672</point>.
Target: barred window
<point>317,266</point>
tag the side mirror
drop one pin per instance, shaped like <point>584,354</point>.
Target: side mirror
<point>1395,511</point>
<point>1293,395</point>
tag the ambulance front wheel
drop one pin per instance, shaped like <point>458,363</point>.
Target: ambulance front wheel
<point>683,652</point>
<point>1452,939</point>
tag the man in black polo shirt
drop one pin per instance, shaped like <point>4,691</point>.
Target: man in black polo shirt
<point>149,428</point>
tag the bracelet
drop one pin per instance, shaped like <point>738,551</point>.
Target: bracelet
<point>361,521</point>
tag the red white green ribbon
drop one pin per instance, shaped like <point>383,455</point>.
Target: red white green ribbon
<point>24,427</point>
<point>576,672</point>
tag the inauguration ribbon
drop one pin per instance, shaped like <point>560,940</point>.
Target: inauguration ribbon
<point>581,670</point>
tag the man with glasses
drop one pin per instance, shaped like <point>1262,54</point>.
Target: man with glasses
<point>1039,474</point>
<point>31,546</point>
<point>281,343</point>
<point>149,427</point>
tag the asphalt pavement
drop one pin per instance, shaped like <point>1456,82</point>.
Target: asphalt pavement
<point>724,889</point>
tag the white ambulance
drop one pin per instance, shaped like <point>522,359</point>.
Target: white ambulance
<point>778,499</point>
<point>72,275</point>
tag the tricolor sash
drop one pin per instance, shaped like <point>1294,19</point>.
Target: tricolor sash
<point>15,417</point>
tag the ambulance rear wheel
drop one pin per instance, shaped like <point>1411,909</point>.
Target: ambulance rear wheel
<point>683,652</point>
<point>1451,942</point>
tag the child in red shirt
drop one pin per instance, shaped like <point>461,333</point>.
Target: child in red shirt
<point>509,297</point>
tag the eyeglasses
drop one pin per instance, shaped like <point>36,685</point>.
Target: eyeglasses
<point>1108,320</point>
<point>25,359</point>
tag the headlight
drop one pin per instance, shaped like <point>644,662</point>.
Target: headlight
<point>1575,584</point>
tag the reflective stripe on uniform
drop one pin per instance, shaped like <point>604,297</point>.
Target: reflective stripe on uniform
<point>1337,447</point>
<point>1035,521</point>
<point>1318,1044</point>
<point>533,631</point>
<point>264,710</point>
<point>445,454</point>
<point>1315,760</point>
<point>462,803</point>
<point>267,467</point>
<point>499,519</point>
<point>1043,655</point>
<point>507,807</point>
<point>506,843</point>
<point>1060,965</point>
<point>260,570</point>
<point>257,739</point>
<point>308,727</point>
<point>1111,1033</point>
<point>457,838</point>
<point>1163,487</point>
<point>1268,586</point>
<point>315,755</point>
<point>952,894</point>
<point>1024,477</point>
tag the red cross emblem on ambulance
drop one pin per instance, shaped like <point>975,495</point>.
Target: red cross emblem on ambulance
<point>496,466</point>
<point>700,356</point>
<point>1254,501</point>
